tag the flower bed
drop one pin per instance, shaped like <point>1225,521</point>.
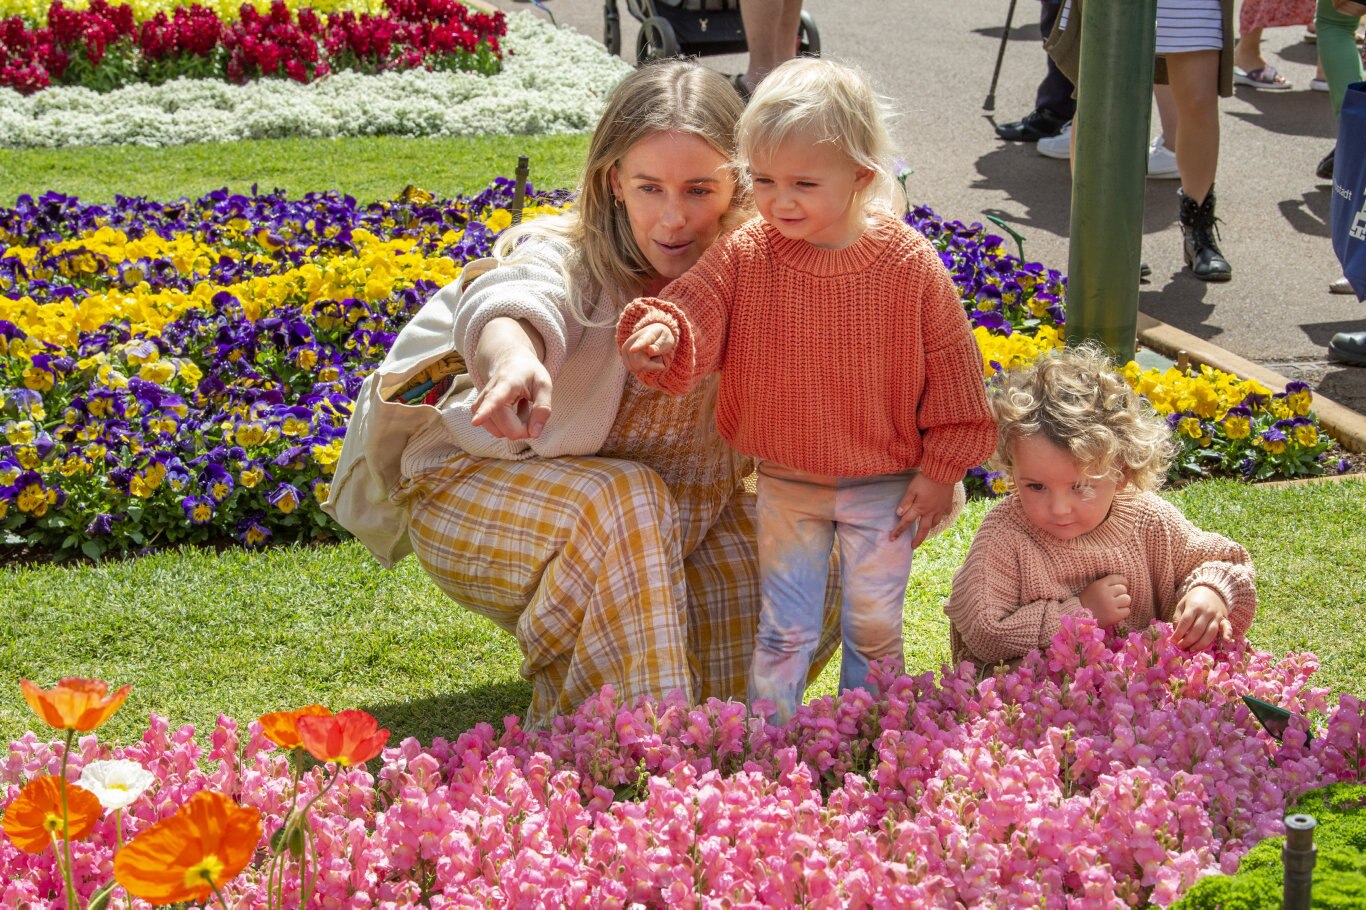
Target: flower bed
<point>1224,425</point>
<point>1103,772</point>
<point>552,81</point>
<point>182,372</point>
<point>104,47</point>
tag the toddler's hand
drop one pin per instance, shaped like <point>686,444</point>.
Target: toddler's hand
<point>926,501</point>
<point>1108,600</point>
<point>1201,618</point>
<point>650,349</point>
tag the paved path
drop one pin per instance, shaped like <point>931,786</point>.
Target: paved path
<point>934,59</point>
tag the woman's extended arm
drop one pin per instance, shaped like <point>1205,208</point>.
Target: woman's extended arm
<point>515,400</point>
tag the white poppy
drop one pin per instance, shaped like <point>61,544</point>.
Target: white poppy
<point>116,783</point>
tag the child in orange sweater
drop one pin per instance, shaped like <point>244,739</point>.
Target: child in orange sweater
<point>847,367</point>
<point>1082,533</point>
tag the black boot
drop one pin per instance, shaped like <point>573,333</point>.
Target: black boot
<point>1198,230</point>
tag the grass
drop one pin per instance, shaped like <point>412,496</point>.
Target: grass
<point>367,168</point>
<point>198,633</point>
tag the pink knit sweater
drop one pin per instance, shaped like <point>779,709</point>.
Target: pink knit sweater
<point>1018,582</point>
<point>844,363</point>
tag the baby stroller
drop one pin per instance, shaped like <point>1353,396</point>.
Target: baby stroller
<point>688,28</point>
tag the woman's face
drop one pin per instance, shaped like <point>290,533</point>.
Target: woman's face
<point>676,189</point>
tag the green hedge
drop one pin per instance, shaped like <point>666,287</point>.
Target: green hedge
<point>1339,874</point>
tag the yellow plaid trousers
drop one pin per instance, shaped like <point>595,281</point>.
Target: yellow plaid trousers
<point>580,559</point>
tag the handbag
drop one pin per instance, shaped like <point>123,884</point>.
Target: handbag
<point>1349,189</point>
<point>402,398</point>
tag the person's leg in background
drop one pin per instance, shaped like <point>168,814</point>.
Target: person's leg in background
<point>771,34</point>
<point>1053,101</point>
<point>1162,150</point>
<point>1056,90</point>
<point>1194,79</point>
<point>1341,61</point>
<point>1340,58</point>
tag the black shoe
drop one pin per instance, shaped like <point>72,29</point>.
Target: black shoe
<point>1325,169</point>
<point>1199,228</point>
<point>1037,124</point>
<point>1348,347</point>
<point>1144,270</point>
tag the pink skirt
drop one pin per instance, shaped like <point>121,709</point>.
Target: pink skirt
<point>1274,13</point>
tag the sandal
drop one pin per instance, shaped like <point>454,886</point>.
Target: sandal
<point>1263,78</point>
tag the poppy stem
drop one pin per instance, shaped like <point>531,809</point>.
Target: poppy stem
<point>305,879</point>
<point>217,891</point>
<point>67,872</point>
<point>118,845</point>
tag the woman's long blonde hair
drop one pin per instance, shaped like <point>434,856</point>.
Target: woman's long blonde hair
<point>669,96</point>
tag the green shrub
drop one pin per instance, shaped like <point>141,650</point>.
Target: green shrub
<point>1339,874</point>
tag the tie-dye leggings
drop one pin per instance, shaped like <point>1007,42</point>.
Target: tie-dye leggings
<point>800,517</point>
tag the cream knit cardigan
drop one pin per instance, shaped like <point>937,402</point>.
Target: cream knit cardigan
<point>387,442</point>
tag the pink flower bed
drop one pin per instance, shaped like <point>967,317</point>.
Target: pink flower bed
<point>1104,772</point>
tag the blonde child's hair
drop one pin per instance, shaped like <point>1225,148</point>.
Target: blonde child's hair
<point>1076,400</point>
<point>831,100</point>
<point>670,96</point>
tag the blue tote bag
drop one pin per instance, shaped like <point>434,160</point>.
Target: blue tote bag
<point>1349,188</point>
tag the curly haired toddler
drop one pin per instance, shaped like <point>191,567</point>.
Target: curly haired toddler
<point>1082,532</point>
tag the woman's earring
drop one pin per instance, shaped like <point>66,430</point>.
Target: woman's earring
<point>616,200</point>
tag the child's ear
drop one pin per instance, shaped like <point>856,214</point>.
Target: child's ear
<point>863,176</point>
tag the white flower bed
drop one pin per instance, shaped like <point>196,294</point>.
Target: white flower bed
<point>553,81</point>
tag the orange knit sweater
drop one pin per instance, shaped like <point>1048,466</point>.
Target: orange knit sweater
<point>1018,582</point>
<point>845,363</point>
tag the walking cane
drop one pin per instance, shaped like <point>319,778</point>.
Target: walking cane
<point>990,103</point>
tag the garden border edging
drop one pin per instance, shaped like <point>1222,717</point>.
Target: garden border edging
<point>1342,423</point>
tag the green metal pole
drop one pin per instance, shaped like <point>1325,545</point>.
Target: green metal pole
<point>1109,170</point>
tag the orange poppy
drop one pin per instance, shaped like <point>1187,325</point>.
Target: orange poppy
<point>347,738</point>
<point>74,703</point>
<point>35,816</point>
<point>280,728</point>
<point>204,845</point>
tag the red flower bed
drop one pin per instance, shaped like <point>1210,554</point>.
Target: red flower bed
<point>104,47</point>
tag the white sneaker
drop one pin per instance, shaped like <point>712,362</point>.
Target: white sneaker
<point>1059,146</point>
<point>1162,160</point>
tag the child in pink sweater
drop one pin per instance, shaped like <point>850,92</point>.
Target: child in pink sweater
<point>1082,533</point>
<point>847,367</point>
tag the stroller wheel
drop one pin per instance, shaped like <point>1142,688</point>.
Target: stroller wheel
<point>655,41</point>
<point>808,37</point>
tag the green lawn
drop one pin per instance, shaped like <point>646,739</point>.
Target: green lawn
<point>199,633</point>
<point>367,168</point>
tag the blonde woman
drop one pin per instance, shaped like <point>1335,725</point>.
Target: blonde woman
<point>1082,533</point>
<point>600,522</point>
